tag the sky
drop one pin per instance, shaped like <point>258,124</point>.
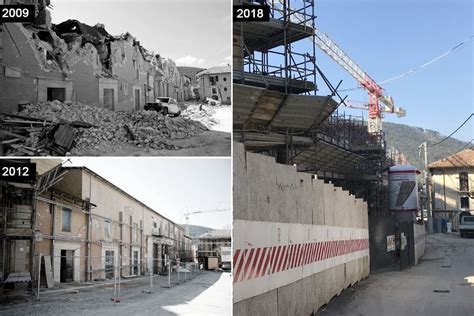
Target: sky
<point>171,186</point>
<point>388,37</point>
<point>192,33</point>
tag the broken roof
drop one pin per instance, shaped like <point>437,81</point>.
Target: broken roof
<point>462,159</point>
<point>94,33</point>
<point>215,70</point>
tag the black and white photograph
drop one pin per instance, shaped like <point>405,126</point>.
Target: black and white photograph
<point>117,78</point>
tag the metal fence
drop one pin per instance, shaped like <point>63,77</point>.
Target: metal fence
<point>138,277</point>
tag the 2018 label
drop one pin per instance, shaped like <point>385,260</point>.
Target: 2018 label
<point>251,13</point>
<point>17,13</point>
<point>14,171</point>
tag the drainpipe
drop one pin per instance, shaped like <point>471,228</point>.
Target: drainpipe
<point>88,258</point>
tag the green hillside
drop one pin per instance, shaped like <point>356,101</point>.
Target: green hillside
<point>407,139</point>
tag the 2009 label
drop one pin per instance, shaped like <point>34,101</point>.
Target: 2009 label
<point>17,13</point>
<point>14,171</point>
<point>251,13</point>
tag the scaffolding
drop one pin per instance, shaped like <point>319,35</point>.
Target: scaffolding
<point>278,113</point>
<point>268,56</point>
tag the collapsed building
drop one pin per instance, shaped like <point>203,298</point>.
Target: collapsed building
<point>82,227</point>
<point>72,61</point>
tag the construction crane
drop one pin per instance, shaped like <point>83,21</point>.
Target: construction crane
<point>374,90</point>
<point>337,54</point>
<point>364,106</point>
<point>186,216</point>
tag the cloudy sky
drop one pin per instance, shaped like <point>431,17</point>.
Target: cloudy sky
<point>192,33</point>
<point>172,186</point>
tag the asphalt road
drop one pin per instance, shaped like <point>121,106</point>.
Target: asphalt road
<point>442,284</point>
<point>209,293</point>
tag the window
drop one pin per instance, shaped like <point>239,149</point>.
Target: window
<point>463,182</point>
<point>107,229</point>
<point>225,79</point>
<point>66,221</point>
<point>214,90</point>
<point>137,232</point>
<point>56,94</point>
<point>464,201</point>
<point>225,89</point>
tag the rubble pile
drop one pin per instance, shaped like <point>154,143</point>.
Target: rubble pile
<point>201,113</point>
<point>93,127</point>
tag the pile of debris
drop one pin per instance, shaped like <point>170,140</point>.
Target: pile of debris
<point>201,113</point>
<point>57,128</point>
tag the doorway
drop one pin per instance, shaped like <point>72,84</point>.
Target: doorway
<point>135,263</point>
<point>137,99</point>
<point>109,99</point>
<point>156,264</point>
<point>109,264</point>
<point>67,266</point>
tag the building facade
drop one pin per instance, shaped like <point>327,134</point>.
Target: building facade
<point>215,83</point>
<point>84,228</point>
<point>210,243</point>
<point>452,186</point>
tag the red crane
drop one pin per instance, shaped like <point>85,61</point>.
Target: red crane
<point>374,90</point>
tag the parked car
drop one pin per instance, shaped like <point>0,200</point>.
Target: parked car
<point>165,106</point>
<point>466,225</point>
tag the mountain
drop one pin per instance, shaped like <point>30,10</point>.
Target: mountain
<point>406,139</point>
<point>195,231</point>
<point>190,72</point>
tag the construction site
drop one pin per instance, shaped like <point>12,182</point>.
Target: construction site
<point>75,89</point>
<point>318,181</point>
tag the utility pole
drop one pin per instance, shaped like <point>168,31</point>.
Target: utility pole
<point>427,191</point>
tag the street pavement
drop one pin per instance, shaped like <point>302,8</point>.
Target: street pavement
<point>209,293</point>
<point>442,284</point>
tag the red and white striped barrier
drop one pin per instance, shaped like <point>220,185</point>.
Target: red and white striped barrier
<point>270,255</point>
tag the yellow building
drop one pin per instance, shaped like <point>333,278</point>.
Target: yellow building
<point>452,186</point>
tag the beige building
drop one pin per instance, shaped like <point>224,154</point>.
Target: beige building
<point>85,227</point>
<point>452,186</point>
<point>215,83</point>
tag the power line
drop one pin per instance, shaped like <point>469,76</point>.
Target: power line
<point>457,129</point>
<point>469,143</point>
<point>412,71</point>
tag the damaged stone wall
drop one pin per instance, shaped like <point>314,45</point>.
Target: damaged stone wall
<point>20,54</point>
<point>93,67</point>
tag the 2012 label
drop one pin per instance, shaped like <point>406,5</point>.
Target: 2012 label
<point>251,13</point>
<point>17,13</point>
<point>14,171</point>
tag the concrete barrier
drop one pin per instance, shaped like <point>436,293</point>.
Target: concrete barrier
<point>419,234</point>
<point>298,241</point>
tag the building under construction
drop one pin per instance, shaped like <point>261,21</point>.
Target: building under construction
<point>278,112</point>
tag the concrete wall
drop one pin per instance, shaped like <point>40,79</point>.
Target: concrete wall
<point>419,241</point>
<point>297,241</point>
